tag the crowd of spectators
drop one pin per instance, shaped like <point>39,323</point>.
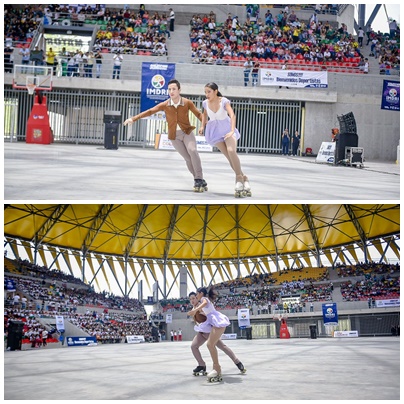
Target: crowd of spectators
<point>366,269</point>
<point>110,327</point>
<point>278,38</point>
<point>281,37</point>
<point>40,292</point>
<point>267,292</point>
<point>50,295</point>
<point>134,32</point>
<point>385,287</point>
<point>33,331</point>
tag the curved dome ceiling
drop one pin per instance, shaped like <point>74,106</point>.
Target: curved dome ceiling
<point>200,232</point>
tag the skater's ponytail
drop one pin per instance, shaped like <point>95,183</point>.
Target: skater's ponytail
<point>213,86</point>
<point>211,292</point>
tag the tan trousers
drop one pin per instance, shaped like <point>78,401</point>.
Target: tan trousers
<point>186,146</point>
<point>200,338</point>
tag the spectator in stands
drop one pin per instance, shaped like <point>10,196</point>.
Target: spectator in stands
<point>295,143</point>
<point>16,299</point>
<point>117,59</point>
<point>98,63</point>
<point>163,29</point>
<point>255,73</point>
<point>44,338</point>
<point>171,18</point>
<point>25,52</point>
<point>393,28</point>
<point>248,65</point>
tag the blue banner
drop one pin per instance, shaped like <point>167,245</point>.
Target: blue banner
<point>330,314</point>
<point>155,78</point>
<point>9,285</point>
<point>81,341</point>
<point>391,95</point>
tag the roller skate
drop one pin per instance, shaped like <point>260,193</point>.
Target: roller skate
<point>198,185</point>
<point>204,184</point>
<point>200,370</point>
<point>239,190</point>
<point>241,367</point>
<point>214,376</point>
<point>247,188</point>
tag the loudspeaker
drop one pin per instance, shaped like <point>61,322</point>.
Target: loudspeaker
<point>347,123</point>
<point>111,136</point>
<point>344,140</point>
<point>14,335</point>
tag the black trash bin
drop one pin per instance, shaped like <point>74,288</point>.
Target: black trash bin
<point>313,331</point>
<point>14,335</point>
<point>112,120</point>
<point>248,331</point>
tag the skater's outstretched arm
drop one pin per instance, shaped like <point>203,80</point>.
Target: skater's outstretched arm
<point>144,114</point>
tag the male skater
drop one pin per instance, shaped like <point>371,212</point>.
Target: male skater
<point>180,131</point>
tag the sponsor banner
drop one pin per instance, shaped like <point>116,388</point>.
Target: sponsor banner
<point>134,339</point>
<point>228,336</point>
<point>81,341</point>
<point>326,153</point>
<point>169,318</point>
<point>330,314</point>
<point>155,78</point>
<point>243,318</point>
<point>391,95</point>
<point>201,144</point>
<point>10,285</point>
<point>291,299</point>
<point>60,323</point>
<point>294,78</point>
<point>346,334</point>
<point>388,303</point>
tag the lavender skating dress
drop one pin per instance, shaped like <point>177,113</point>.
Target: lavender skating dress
<point>214,318</point>
<point>219,123</point>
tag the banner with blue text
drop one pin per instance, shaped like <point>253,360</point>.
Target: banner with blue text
<point>155,78</point>
<point>391,95</point>
<point>330,314</point>
<point>294,78</point>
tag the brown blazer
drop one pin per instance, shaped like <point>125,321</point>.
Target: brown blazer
<point>174,115</point>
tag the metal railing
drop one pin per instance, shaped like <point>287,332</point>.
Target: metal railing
<point>77,117</point>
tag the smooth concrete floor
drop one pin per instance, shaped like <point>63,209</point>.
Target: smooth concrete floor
<point>294,369</point>
<point>60,172</point>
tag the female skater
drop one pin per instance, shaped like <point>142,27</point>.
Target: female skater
<point>180,130</point>
<point>201,337</point>
<point>220,131</point>
<point>215,323</point>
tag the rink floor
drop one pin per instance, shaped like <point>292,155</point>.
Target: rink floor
<point>60,172</point>
<point>294,369</point>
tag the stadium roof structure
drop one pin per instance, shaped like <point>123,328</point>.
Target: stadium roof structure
<point>127,243</point>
